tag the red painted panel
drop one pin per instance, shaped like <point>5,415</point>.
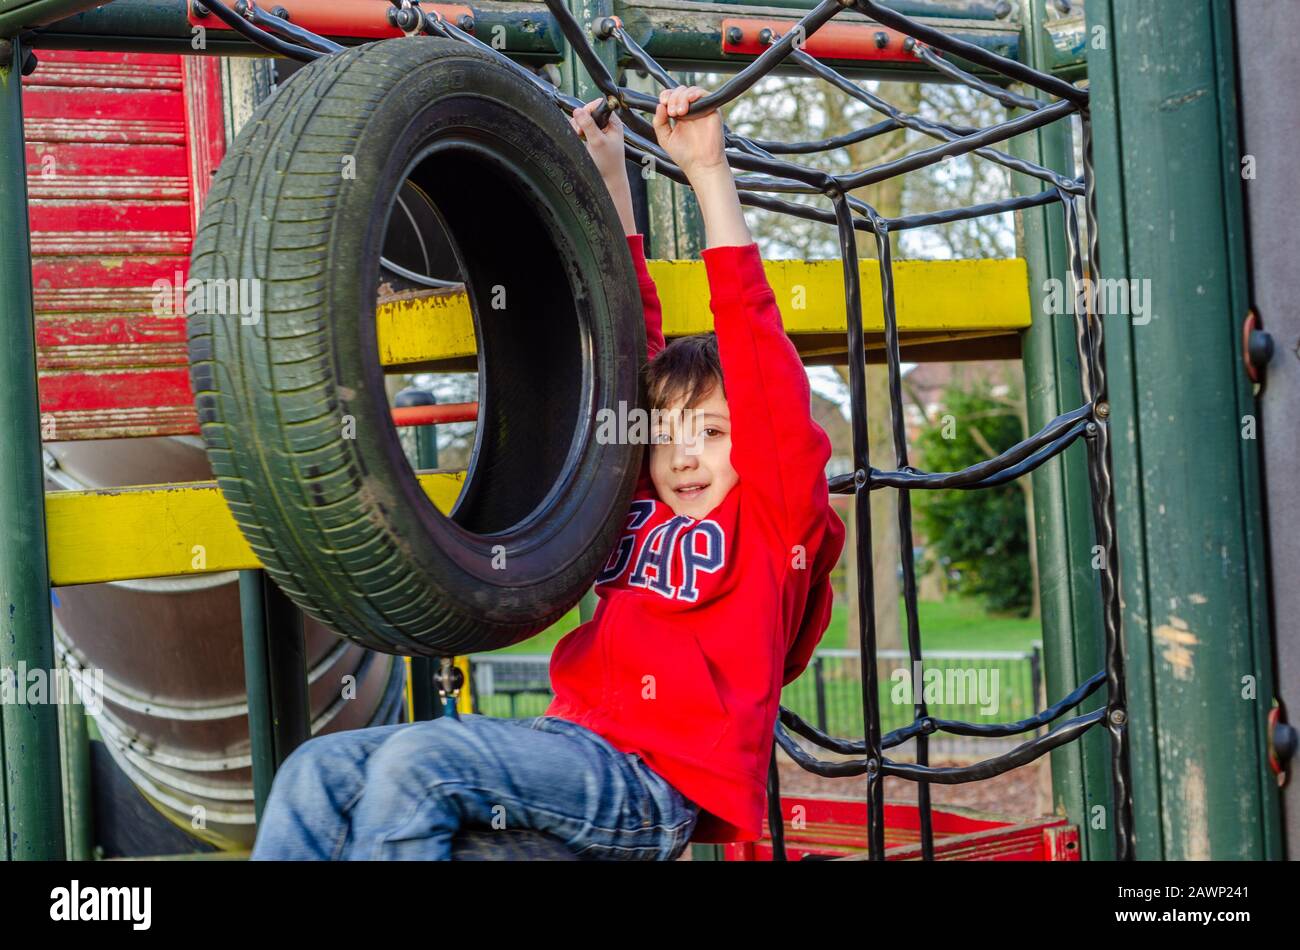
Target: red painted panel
<point>113,190</point>
<point>161,104</point>
<point>91,277</point>
<point>120,63</point>
<point>124,389</point>
<point>113,162</point>
<point>69,217</point>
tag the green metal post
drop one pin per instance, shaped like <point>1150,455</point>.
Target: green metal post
<point>29,733</point>
<point>1185,460</point>
<point>257,684</point>
<point>77,801</point>
<point>275,673</point>
<point>676,225</point>
<point>424,696</point>
<point>575,79</point>
<point>1070,604</point>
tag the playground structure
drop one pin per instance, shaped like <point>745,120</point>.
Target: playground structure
<point>1155,783</point>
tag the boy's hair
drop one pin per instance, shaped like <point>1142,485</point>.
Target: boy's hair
<point>689,367</point>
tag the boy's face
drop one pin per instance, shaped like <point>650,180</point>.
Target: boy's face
<point>690,455</point>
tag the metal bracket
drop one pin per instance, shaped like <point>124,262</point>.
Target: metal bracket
<point>1282,741</point>
<point>1256,346</point>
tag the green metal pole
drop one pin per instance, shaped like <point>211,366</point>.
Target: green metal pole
<point>287,668</point>
<point>1071,610</point>
<point>424,696</point>
<point>275,674</point>
<point>77,801</point>
<point>1186,465</point>
<point>22,14</point>
<point>29,752</point>
<point>257,682</point>
<point>575,79</point>
<point>676,225</point>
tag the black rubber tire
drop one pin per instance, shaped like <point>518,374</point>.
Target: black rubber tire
<point>506,845</point>
<point>341,524</point>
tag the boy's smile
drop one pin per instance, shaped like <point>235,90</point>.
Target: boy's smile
<point>690,455</point>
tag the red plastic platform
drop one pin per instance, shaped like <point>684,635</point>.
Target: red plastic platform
<point>837,828</point>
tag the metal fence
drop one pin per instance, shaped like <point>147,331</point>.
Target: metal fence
<point>975,686</point>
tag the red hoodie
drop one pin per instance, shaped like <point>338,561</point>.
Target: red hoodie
<point>700,622</point>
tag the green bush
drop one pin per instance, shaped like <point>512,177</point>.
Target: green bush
<point>982,535</point>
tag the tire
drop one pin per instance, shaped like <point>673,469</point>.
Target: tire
<point>508,845</point>
<point>341,523</point>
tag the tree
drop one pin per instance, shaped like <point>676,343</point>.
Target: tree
<point>982,535</point>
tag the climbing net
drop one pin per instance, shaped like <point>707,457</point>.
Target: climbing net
<point>850,215</point>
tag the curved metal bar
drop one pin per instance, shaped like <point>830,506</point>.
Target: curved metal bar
<point>1022,754</point>
<point>971,475</point>
<point>972,53</point>
<point>935,129</point>
<point>268,41</point>
<point>1008,98</point>
<point>1017,466</point>
<point>1017,203</point>
<point>969,143</point>
<point>285,29</point>
<point>662,76</point>
<point>1038,458</point>
<point>897,737</point>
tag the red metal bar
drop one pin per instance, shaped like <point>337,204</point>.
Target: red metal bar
<point>435,415</point>
<point>364,19</point>
<point>854,41</point>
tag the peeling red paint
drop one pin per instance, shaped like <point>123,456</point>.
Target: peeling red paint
<point>120,151</point>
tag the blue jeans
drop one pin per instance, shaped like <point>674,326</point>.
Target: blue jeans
<point>403,791</point>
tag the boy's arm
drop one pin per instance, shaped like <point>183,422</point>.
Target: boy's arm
<point>777,449</point>
<point>654,333</point>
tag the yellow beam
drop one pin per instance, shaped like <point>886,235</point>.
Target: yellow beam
<point>162,531</point>
<point>976,298</point>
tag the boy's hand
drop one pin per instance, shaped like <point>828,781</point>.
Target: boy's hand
<point>694,142</point>
<point>605,146</point>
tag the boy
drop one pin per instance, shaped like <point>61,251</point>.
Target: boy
<point>661,729</point>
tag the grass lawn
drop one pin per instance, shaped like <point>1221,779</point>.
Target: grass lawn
<point>955,623</point>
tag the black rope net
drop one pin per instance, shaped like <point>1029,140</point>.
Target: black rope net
<point>1058,101</point>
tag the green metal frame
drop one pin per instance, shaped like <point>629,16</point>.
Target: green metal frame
<point>1071,610</point>
<point>1187,484</point>
<point>677,37</point>
<point>30,780</point>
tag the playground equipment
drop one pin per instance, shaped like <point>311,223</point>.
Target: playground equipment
<point>175,708</point>
<point>1067,365</point>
